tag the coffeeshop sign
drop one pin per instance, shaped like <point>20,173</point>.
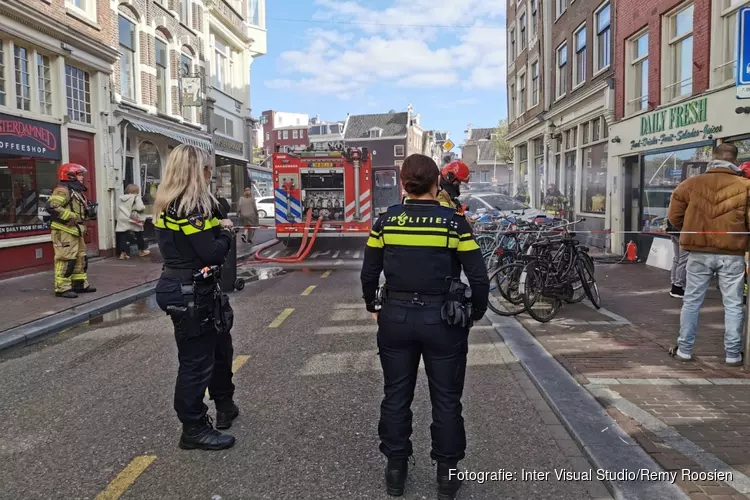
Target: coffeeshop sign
<point>678,123</point>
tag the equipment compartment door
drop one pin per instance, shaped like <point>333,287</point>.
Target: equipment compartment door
<point>386,189</point>
<point>323,193</point>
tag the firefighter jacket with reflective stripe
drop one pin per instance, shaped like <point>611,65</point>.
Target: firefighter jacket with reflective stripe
<point>67,210</point>
<point>417,245</point>
<point>191,241</point>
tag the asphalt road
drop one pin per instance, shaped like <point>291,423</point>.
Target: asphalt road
<point>83,405</point>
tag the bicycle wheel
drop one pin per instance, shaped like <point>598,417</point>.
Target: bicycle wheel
<point>588,283</point>
<point>486,242</point>
<point>531,287</point>
<point>504,297</point>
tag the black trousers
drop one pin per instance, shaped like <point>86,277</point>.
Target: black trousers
<point>407,332</point>
<point>205,352</point>
<point>122,240</point>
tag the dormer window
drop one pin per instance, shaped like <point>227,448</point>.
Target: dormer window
<point>376,132</point>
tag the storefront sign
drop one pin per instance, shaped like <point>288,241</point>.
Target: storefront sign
<point>24,137</point>
<point>22,230</point>
<point>229,145</point>
<point>669,125</point>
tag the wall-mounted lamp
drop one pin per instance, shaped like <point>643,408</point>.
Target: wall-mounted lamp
<point>616,140</point>
<point>743,110</point>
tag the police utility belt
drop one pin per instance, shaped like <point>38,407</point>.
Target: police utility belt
<point>206,278</point>
<point>457,308</point>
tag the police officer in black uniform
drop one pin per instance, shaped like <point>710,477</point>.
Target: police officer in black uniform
<point>194,240</point>
<point>423,310</point>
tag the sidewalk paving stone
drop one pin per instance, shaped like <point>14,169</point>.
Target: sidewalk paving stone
<point>704,401</point>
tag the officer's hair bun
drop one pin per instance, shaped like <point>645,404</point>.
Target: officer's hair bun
<point>419,174</point>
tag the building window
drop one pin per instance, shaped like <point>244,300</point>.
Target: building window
<point>522,23</point>
<point>603,37</point>
<point>2,74</point>
<point>595,130</point>
<point>560,7</point>
<point>185,12</point>
<point>725,34</point>
<point>150,167</point>
<point>585,133</point>
<point>225,126</point>
<point>268,136</point>
<point>78,92</point>
<point>23,77</point>
<point>580,61</point>
<point>534,22</point>
<point>512,106</point>
<point>521,94</point>
<point>375,132</point>
<point>286,134</point>
<point>680,53</point>
<point>562,70</point>
<point>45,84</point>
<point>398,150</point>
<point>221,56</point>
<point>295,134</point>
<point>86,7</point>
<point>186,68</point>
<point>523,169</point>
<point>127,58</point>
<point>512,45</point>
<point>302,134</point>
<point>253,12</point>
<point>161,75</point>
<point>637,77</point>
<point>534,83</point>
<point>278,133</point>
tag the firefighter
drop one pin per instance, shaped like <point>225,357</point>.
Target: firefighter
<point>68,209</point>
<point>451,177</point>
<point>423,311</point>
<point>192,238</point>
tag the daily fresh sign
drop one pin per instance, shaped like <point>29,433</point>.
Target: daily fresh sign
<point>670,125</point>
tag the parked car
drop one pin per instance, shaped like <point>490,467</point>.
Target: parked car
<point>266,207</point>
<point>499,203</point>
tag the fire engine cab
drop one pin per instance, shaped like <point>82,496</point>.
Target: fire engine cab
<point>340,186</point>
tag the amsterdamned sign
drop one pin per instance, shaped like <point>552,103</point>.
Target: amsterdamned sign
<point>224,144</point>
<point>670,124</point>
<point>24,137</point>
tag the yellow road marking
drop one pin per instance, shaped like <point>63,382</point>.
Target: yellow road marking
<point>126,478</point>
<point>308,290</point>
<point>327,273</point>
<point>281,317</point>
<point>238,362</point>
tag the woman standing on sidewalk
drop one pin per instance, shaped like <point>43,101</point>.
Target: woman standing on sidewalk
<point>130,223</point>
<point>247,211</point>
<point>192,238</point>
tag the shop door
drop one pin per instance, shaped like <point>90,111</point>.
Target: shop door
<point>632,195</point>
<point>81,147</point>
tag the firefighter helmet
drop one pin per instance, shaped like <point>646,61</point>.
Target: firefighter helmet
<point>69,171</point>
<point>456,170</point>
<point>745,167</point>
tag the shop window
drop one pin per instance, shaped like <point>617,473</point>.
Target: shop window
<point>636,87</point>
<point>538,161</point>
<point>580,61</point>
<point>25,187</point>
<point>127,58</point>
<point>679,53</point>
<point>23,77</point>
<point>603,45</point>
<point>585,133</point>
<point>3,94</point>
<point>78,91</point>
<point>594,179</point>
<point>662,173</point>
<point>534,83</point>
<point>743,150</point>
<point>523,169</point>
<point>595,130</point>
<point>230,180</point>
<point>562,70</point>
<point>161,75</point>
<point>150,167</point>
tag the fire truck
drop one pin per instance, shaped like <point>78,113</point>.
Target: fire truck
<point>341,186</point>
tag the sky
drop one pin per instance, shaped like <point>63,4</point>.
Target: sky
<point>332,57</point>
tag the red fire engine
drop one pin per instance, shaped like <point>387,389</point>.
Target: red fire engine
<point>341,186</point>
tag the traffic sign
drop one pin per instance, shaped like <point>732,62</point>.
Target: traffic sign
<point>448,145</point>
<point>743,53</point>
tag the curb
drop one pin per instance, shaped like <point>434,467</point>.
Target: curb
<point>607,446</point>
<point>25,334</point>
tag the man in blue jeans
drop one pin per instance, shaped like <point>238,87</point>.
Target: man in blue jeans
<point>702,208</point>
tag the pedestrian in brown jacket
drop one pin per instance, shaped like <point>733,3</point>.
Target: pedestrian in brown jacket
<point>711,211</point>
<point>247,211</point>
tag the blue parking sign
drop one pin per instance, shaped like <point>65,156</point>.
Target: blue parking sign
<point>743,53</point>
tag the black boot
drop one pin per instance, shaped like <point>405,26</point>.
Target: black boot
<point>68,294</point>
<point>448,481</point>
<point>78,288</point>
<point>395,476</point>
<point>202,436</point>
<point>225,413</point>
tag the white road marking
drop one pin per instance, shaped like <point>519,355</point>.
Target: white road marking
<point>349,305</point>
<point>373,329</point>
<point>366,361</point>
<point>360,314</point>
<point>356,254</point>
<point>274,254</point>
<point>336,255</point>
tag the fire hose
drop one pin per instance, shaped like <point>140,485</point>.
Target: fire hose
<point>303,251</point>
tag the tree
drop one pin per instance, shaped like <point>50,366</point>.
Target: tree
<point>500,144</point>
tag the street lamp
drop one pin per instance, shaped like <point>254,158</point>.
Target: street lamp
<point>494,170</point>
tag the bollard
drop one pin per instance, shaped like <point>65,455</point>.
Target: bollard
<point>746,347</point>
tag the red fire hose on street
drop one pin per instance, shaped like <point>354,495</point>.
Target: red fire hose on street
<point>304,250</point>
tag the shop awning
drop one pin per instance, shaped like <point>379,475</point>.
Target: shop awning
<point>172,134</point>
